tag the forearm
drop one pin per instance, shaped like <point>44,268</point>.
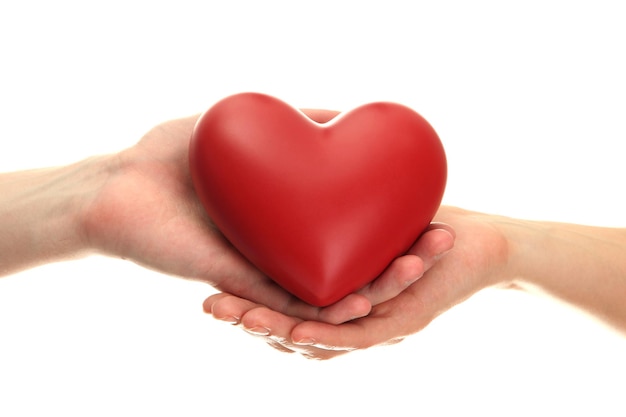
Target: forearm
<point>582,265</point>
<point>40,214</point>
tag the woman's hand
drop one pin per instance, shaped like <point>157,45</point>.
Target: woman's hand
<point>478,260</point>
<point>147,211</point>
<point>140,205</point>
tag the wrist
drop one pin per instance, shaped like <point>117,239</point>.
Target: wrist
<point>522,239</point>
<point>485,245</point>
<point>42,213</point>
<point>542,253</point>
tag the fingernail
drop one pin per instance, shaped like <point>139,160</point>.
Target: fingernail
<point>307,341</point>
<point>258,331</point>
<point>277,339</point>
<point>229,319</point>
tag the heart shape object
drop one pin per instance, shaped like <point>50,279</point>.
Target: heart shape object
<point>322,209</point>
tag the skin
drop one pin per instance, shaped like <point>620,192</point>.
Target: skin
<point>139,204</point>
<point>582,265</point>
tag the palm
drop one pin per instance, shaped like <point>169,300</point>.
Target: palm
<point>148,212</point>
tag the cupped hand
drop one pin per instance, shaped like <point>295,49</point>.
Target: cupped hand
<point>147,212</point>
<point>477,261</point>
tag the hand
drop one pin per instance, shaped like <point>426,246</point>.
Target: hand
<point>476,261</point>
<point>147,211</point>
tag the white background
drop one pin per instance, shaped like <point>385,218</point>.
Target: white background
<point>528,98</point>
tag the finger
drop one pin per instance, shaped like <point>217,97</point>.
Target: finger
<point>401,273</point>
<point>356,335</point>
<point>231,309</point>
<point>207,305</point>
<point>433,244</point>
<point>276,329</point>
<point>405,270</point>
<point>345,337</point>
<point>350,307</point>
<point>228,308</point>
<point>238,277</point>
<point>265,322</point>
<point>441,225</point>
<point>272,326</point>
<point>408,313</point>
<point>233,274</point>
<point>388,323</point>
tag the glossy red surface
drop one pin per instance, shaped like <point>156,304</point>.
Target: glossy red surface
<point>322,209</point>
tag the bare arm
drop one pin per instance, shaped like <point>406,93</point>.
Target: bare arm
<point>582,265</point>
<point>40,213</point>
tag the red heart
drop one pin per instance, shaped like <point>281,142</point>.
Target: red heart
<point>322,209</point>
